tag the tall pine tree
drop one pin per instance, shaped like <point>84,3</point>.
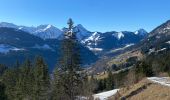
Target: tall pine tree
<point>68,74</point>
<point>42,80</point>
<point>24,89</point>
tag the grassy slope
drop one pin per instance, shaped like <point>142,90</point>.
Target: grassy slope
<point>144,90</point>
<point>123,57</point>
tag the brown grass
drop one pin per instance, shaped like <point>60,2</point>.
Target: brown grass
<point>123,57</point>
<point>144,90</point>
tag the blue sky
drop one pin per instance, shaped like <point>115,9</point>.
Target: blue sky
<point>95,15</point>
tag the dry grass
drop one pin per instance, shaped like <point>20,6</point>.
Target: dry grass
<point>144,90</point>
<point>153,92</point>
<point>123,57</point>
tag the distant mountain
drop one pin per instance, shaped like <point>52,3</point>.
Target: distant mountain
<point>99,42</point>
<point>9,25</point>
<point>16,44</point>
<point>155,44</point>
<point>20,42</point>
<point>48,31</point>
<point>18,38</point>
<point>42,31</point>
<point>82,32</point>
<point>95,41</point>
<point>158,40</point>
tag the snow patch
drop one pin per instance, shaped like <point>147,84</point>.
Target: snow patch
<point>161,50</point>
<point>20,28</point>
<point>48,26</point>
<point>151,50</point>
<point>105,95</point>
<point>167,28</point>
<point>168,42</point>
<point>160,80</point>
<point>94,49</point>
<point>119,35</point>
<point>127,45</point>
<point>164,30</point>
<point>7,48</point>
<point>94,37</point>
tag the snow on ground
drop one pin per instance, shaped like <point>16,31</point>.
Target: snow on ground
<point>168,42</point>
<point>161,80</point>
<point>153,50</point>
<point>7,48</point>
<point>127,45</point>
<point>161,50</point>
<point>94,49</point>
<point>167,28</point>
<point>105,95</point>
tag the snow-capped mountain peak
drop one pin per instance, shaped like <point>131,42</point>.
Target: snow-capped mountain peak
<point>82,32</point>
<point>118,35</point>
<point>43,28</point>
<point>141,32</point>
<point>94,37</point>
<point>43,31</point>
<point>47,32</point>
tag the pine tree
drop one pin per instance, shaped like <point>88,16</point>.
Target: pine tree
<point>101,84</point>
<point>3,96</point>
<point>3,68</point>
<point>109,81</point>
<point>24,89</point>
<point>41,82</point>
<point>147,70</point>
<point>19,81</point>
<point>9,79</point>
<point>68,77</point>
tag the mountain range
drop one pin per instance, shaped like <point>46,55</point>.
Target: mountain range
<point>155,44</point>
<point>20,42</point>
<point>96,41</point>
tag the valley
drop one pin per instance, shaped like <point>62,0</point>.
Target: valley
<point>84,50</point>
<point>111,60</point>
<point>45,40</point>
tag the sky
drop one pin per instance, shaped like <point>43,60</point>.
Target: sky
<point>94,15</point>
